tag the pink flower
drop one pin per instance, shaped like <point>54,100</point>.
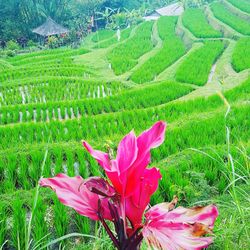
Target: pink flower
<point>137,203</point>
<point>180,228</point>
<point>73,193</point>
<point>133,156</point>
<point>126,200</point>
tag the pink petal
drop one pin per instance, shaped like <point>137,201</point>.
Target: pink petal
<point>149,139</point>
<point>137,203</point>
<point>152,137</point>
<point>127,152</point>
<point>173,236</point>
<point>101,157</point>
<point>205,215</point>
<point>180,228</point>
<point>133,156</point>
<point>72,193</point>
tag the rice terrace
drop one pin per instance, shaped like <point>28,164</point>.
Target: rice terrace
<point>124,124</point>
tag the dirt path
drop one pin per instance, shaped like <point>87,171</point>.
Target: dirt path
<point>211,74</point>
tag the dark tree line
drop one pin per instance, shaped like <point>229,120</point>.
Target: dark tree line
<point>19,17</point>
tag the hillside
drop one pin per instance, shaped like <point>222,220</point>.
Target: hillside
<point>187,71</point>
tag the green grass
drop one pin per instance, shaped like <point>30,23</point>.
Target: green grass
<point>241,4</point>
<point>173,48</point>
<point>223,14</point>
<point>124,57</point>
<point>195,20</point>
<point>70,95</point>
<point>101,35</point>
<point>113,40</point>
<point>241,55</point>
<point>138,98</point>
<point>196,67</point>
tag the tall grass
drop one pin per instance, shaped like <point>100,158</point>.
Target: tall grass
<point>241,55</point>
<point>196,67</point>
<point>195,20</point>
<point>241,4</point>
<point>223,14</point>
<point>173,48</point>
<point>124,56</point>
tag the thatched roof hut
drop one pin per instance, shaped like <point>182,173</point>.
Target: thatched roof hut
<point>49,28</point>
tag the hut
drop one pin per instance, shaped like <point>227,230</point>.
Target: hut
<point>175,9</point>
<point>50,28</point>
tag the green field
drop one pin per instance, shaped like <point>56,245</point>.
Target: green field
<point>195,20</point>
<point>51,100</point>
<point>221,12</point>
<point>241,4</point>
<point>239,59</point>
<point>196,67</point>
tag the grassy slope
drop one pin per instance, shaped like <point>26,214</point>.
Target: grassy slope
<point>183,115</point>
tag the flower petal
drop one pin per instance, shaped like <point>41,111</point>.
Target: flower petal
<point>101,157</point>
<point>205,215</point>
<point>72,193</point>
<point>99,186</point>
<point>173,236</point>
<point>126,152</point>
<point>137,203</point>
<point>152,137</point>
<point>149,139</point>
<point>180,228</point>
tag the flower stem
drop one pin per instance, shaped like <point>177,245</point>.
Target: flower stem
<point>123,215</point>
<point>111,235</point>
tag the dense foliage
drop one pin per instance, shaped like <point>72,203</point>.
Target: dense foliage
<point>18,17</point>
<point>196,67</point>
<point>222,13</point>
<point>195,20</point>
<point>241,55</point>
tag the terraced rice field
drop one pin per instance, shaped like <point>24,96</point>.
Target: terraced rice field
<point>51,100</point>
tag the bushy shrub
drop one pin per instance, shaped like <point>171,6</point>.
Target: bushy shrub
<point>31,43</point>
<point>10,53</point>
<point>12,45</point>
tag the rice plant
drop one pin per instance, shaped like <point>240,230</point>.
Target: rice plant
<point>122,59</point>
<point>222,13</point>
<point>241,4</point>
<point>195,20</point>
<point>196,67</point>
<point>241,55</point>
<point>173,48</point>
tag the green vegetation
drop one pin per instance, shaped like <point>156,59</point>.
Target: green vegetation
<point>195,20</point>
<point>102,35</point>
<point>196,67</point>
<point>124,56</point>
<point>52,99</point>
<point>113,40</point>
<point>241,4</point>
<point>138,98</point>
<point>223,14</point>
<point>241,55</point>
<point>173,48</point>
<point>50,63</point>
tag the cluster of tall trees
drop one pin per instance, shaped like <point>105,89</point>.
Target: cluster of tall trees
<point>19,17</point>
